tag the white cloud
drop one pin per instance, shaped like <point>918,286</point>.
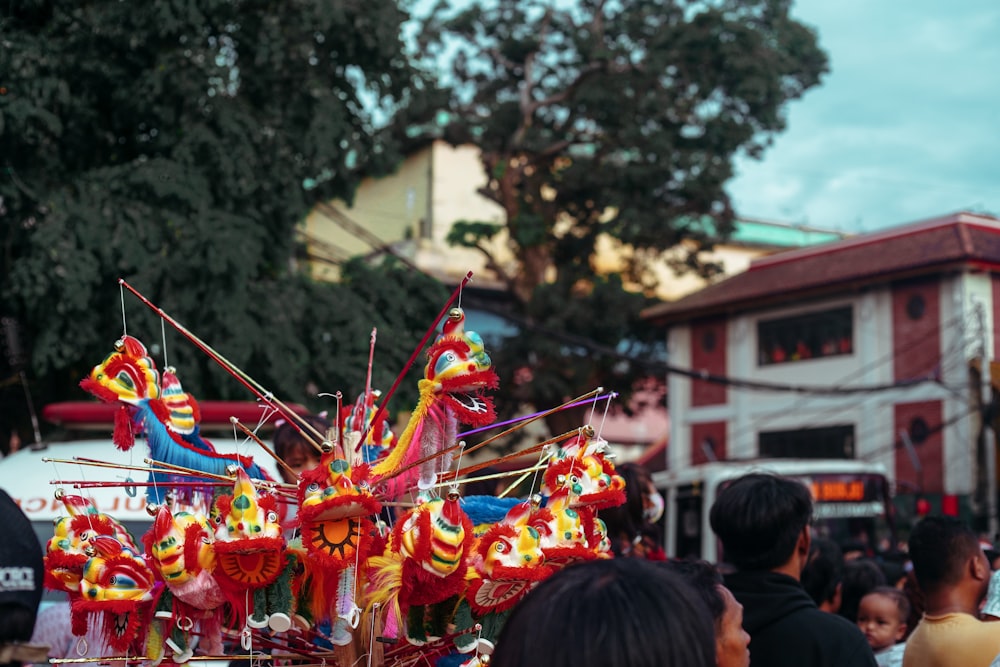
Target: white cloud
<point>903,128</point>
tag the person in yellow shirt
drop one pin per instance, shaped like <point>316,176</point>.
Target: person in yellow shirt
<point>953,574</point>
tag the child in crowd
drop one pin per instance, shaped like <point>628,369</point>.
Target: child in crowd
<point>882,616</point>
<point>295,450</point>
<point>299,454</point>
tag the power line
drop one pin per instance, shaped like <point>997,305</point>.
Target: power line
<point>654,366</point>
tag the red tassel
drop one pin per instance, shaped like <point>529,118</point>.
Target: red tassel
<point>123,436</point>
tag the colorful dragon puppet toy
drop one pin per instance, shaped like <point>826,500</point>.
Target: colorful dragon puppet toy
<point>335,506</point>
<point>66,552</point>
<point>253,567</point>
<point>583,467</point>
<point>164,413</point>
<point>506,563</point>
<point>117,591</point>
<point>423,566</point>
<point>181,550</point>
<point>457,373</point>
<point>358,419</point>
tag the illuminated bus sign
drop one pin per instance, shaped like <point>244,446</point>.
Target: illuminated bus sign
<point>837,490</point>
<point>846,496</point>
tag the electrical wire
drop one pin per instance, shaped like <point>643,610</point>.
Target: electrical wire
<point>654,366</point>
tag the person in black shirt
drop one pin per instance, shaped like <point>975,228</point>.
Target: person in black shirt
<point>762,521</point>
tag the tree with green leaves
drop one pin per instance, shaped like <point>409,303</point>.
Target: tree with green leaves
<point>177,145</point>
<point>607,119</point>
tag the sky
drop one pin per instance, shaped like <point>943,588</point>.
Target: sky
<point>904,127</point>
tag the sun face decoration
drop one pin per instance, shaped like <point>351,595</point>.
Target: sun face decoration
<point>249,548</point>
<point>334,506</point>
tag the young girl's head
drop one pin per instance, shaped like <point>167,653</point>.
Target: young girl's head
<point>882,616</point>
<point>295,450</point>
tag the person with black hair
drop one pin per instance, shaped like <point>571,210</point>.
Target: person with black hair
<point>731,640</point>
<point>822,576</point>
<point>632,526</point>
<point>762,521</point>
<point>296,450</point>
<point>619,612</point>
<point>20,586</point>
<point>953,574</point>
<point>861,576</point>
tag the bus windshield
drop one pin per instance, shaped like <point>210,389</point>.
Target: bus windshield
<point>853,510</point>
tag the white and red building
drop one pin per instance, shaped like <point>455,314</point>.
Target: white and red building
<point>889,323</point>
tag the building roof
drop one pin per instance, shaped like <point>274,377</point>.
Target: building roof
<point>959,240</point>
<point>754,232</point>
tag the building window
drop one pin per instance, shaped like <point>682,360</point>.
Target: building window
<point>708,341</point>
<point>915,307</point>
<point>811,336</point>
<point>830,442</point>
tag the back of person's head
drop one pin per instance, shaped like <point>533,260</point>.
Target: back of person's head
<point>893,569</point>
<point>861,577</point>
<point>915,597</point>
<point>20,581</point>
<point>940,547</point>
<point>823,571</point>
<point>619,612</point>
<point>759,518</point>
<point>705,578</point>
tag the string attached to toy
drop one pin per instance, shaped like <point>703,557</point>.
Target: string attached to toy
<point>121,288</point>
<point>231,368</point>
<point>604,417</point>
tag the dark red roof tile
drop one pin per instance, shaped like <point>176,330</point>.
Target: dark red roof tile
<point>931,246</point>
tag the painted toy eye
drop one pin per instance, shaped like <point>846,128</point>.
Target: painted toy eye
<point>313,488</point>
<point>500,547</point>
<point>272,517</point>
<point>113,580</point>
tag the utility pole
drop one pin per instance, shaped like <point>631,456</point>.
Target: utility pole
<point>989,440</point>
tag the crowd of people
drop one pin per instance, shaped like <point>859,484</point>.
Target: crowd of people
<point>780,596</point>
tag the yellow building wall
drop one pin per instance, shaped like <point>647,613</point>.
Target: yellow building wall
<point>414,208</point>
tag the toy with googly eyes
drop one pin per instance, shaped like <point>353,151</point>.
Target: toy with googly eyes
<point>181,550</point>
<point>583,468</point>
<point>457,374</point>
<point>163,413</point>
<point>117,592</point>
<point>335,506</point>
<point>422,570</point>
<point>506,563</point>
<point>251,561</point>
<point>66,551</point>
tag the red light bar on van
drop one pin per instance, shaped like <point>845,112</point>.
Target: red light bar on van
<point>214,414</point>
